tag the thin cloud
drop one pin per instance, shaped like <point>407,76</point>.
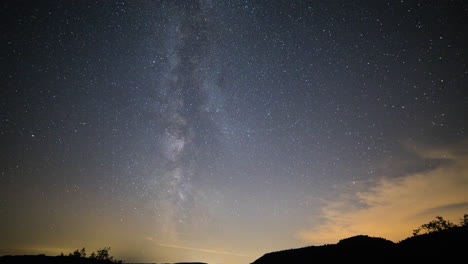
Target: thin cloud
<point>392,208</point>
<point>204,250</point>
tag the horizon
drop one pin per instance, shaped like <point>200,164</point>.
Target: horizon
<point>218,131</point>
<point>436,228</point>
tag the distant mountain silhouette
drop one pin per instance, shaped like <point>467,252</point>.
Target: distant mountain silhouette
<point>445,245</point>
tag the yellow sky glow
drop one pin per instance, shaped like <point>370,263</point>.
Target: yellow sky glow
<point>392,208</point>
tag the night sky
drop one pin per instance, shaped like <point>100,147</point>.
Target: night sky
<point>218,131</point>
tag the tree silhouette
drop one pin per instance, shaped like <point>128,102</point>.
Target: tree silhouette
<point>464,221</point>
<point>78,253</point>
<point>102,254</point>
<point>436,225</point>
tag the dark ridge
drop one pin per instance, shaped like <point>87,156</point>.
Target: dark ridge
<point>450,241</point>
<point>445,245</point>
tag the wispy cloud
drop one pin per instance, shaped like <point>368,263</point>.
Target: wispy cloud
<point>393,207</point>
<point>204,250</point>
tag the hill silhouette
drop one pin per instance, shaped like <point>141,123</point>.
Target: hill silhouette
<point>450,244</point>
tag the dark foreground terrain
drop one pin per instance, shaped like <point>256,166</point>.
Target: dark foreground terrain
<point>442,246</point>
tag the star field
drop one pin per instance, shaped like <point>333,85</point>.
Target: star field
<point>220,130</point>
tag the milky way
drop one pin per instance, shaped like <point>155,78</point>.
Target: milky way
<point>182,101</point>
<point>217,131</point>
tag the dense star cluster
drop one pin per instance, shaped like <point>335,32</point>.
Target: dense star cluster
<point>220,130</point>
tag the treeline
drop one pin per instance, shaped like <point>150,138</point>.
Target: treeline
<point>439,224</point>
<point>101,254</point>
